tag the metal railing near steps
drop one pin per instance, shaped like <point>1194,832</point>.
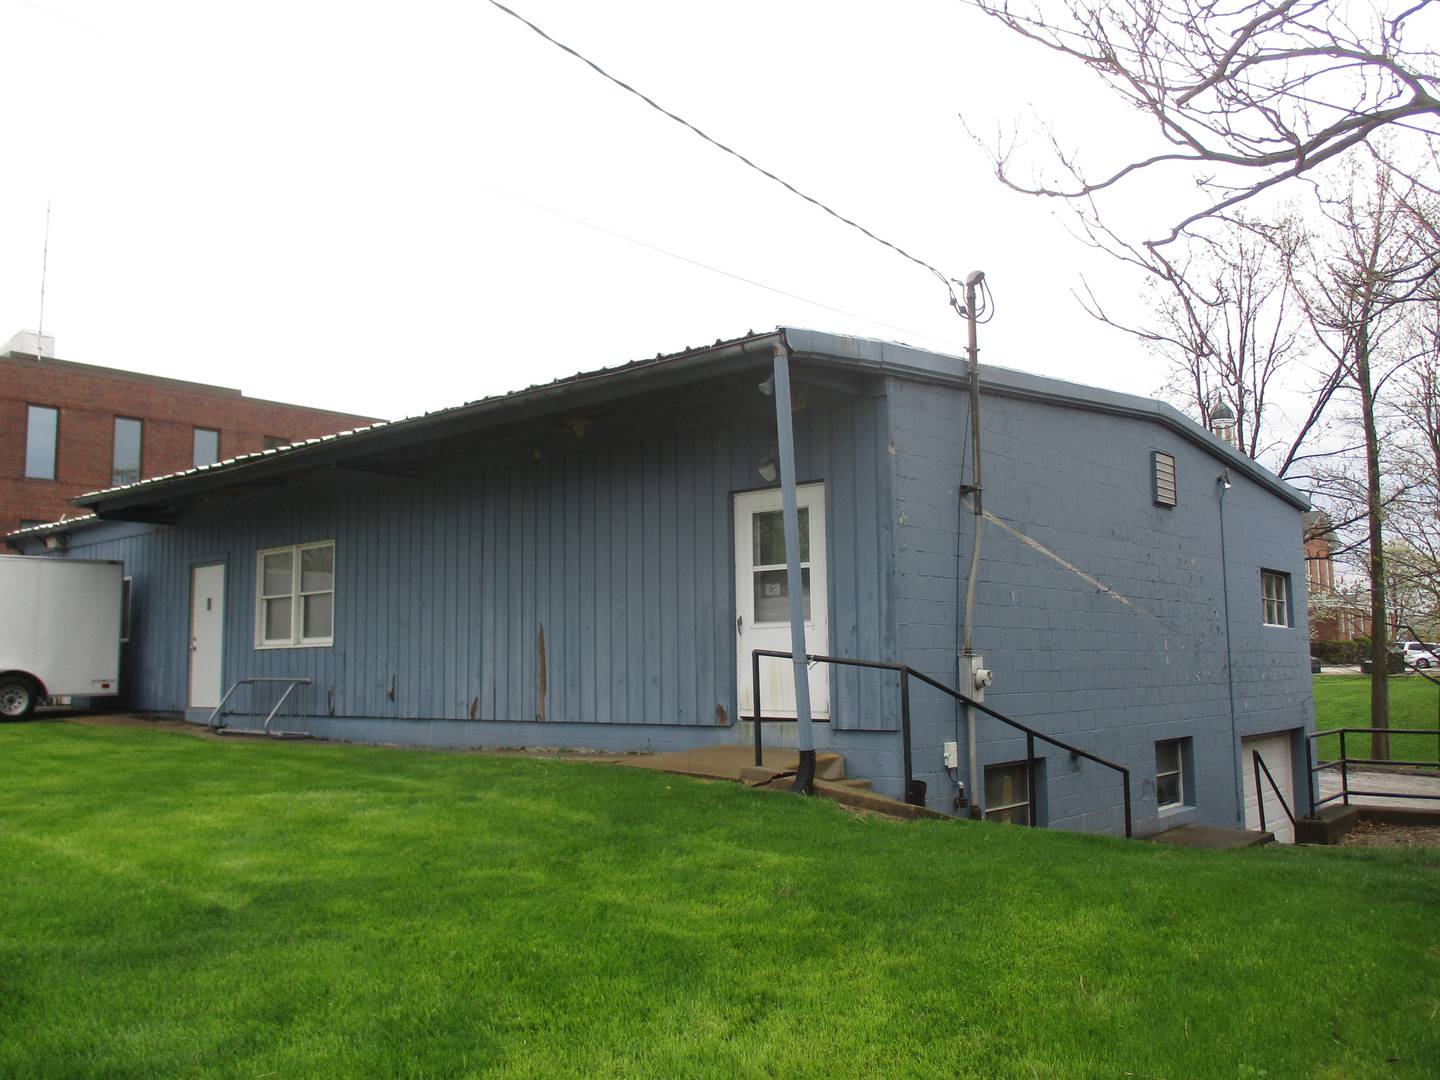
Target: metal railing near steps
<point>216,722</point>
<point>1259,764</point>
<point>1344,762</point>
<point>915,794</point>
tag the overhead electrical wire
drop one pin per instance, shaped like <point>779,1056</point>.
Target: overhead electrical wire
<point>713,269</point>
<point>943,278</point>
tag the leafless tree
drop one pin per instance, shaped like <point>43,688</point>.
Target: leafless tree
<point>1227,323</point>
<point>1356,281</point>
<point>1244,95</point>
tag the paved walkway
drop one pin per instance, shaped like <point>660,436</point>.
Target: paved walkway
<point>1368,780</point>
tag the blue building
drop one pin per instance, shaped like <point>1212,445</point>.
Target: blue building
<point>589,563</point>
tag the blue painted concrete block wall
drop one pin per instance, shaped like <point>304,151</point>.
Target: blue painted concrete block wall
<point>1128,650</point>
<point>621,553</point>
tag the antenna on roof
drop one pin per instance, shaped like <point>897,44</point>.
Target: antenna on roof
<point>44,266</point>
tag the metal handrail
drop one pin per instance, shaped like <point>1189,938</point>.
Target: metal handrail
<point>218,714</point>
<point>1345,761</point>
<point>906,674</point>
<point>1259,764</point>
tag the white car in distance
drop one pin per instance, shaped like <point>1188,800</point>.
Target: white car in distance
<point>1419,654</point>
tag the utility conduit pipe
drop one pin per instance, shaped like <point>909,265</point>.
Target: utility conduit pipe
<point>794,580</point>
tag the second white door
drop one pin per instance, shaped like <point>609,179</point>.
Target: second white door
<point>207,628</point>
<point>762,599</point>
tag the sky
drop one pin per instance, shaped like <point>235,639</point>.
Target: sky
<point>390,208</point>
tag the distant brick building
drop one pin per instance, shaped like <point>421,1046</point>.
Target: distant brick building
<point>68,428</point>
<point>1334,616</point>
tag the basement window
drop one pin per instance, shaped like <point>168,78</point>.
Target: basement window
<point>1007,793</point>
<point>1162,468</point>
<point>295,602</point>
<point>1170,773</point>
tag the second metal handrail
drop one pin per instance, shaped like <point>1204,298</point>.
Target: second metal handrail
<point>1344,761</point>
<point>1259,765</point>
<point>906,673</point>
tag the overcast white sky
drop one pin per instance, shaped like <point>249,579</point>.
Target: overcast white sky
<point>339,204</point>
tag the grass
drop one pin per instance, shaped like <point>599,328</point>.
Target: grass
<point>1344,701</point>
<point>174,906</point>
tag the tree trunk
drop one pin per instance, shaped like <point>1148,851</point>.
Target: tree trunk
<point>1379,625</point>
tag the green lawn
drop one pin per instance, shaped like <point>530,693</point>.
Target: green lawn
<point>171,906</point>
<point>1344,701</point>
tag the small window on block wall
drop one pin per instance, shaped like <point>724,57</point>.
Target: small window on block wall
<point>1275,597</point>
<point>1170,774</point>
<point>1163,478</point>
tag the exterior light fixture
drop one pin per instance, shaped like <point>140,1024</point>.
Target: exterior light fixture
<point>767,387</point>
<point>768,469</point>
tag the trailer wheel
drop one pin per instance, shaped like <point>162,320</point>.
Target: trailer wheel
<point>17,697</point>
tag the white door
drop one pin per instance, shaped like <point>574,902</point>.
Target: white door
<point>1275,751</point>
<point>762,601</point>
<point>207,627</point>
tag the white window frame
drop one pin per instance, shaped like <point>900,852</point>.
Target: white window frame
<point>1178,772</point>
<point>296,596</point>
<point>1275,602</point>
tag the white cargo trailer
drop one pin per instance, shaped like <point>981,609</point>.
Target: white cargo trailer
<point>59,630</point>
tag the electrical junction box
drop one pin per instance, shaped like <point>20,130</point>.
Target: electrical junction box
<point>975,677</point>
<point>952,755</point>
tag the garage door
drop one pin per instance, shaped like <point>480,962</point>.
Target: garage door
<point>1274,749</point>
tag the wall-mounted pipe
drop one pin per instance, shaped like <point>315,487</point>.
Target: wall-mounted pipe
<point>1222,482</point>
<point>785,439</point>
<point>964,679</point>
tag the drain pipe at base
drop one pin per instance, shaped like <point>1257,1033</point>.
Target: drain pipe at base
<point>794,582</point>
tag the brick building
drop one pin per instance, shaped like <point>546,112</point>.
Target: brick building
<point>68,428</point>
<point>1335,616</point>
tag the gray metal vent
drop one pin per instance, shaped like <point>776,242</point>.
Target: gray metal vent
<point>1163,471</point>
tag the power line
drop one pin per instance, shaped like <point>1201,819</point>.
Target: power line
<point>714,269</point>
<point>944,279</point>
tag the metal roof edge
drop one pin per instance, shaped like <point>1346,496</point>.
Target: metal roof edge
<point>310,451</point>
<point>906,361</point>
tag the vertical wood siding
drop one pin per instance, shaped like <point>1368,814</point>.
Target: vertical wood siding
<point>621,554</point>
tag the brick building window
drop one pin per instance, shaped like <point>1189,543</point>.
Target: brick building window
<point>42,434</point>
<point>207,446</point>
<point>125,461</point>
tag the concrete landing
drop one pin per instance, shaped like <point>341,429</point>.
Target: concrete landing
<point>1211,838</point>
<point>737,763</point>
<point>727,762</point>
